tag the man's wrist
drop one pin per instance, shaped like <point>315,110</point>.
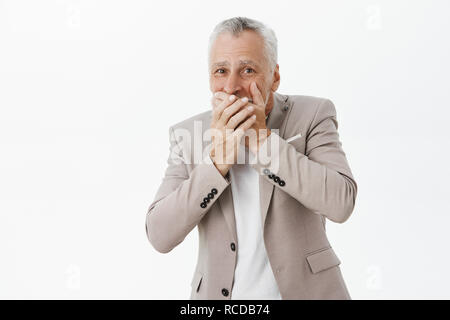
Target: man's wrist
<point>223,169</point>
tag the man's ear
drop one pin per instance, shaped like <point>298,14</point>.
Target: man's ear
<point>276,78</point>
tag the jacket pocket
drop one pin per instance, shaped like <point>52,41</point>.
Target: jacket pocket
<point>322,260</point>
<point>196,281</point>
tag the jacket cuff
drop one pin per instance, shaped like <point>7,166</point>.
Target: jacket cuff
<point>208,161</point>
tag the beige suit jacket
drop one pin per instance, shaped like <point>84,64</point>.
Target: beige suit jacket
<point>312,182</point>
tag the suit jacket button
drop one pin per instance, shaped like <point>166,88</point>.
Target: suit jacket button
<point>214,191</point>
<point>206,200</point>
<point>282,183</point>
<point>225,292</point>
<point>266,171</point>
<point>276,179</point>
<point>210,195</point>
<point>233,246</point>
<point>271,176</point>
<point>203,205</point>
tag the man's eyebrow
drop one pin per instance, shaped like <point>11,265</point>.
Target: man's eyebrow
<point>241,63</point>
<point>219,64</point>
<point>249,62</point>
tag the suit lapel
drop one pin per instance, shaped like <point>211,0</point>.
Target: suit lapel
<point>227,206</point>
<point>274,121</point>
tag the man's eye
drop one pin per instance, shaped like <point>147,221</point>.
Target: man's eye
<point>250,70</point>
<point>218,71</point>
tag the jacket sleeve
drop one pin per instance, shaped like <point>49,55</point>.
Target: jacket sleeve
<point>177,207</point>
<point>321,178</point>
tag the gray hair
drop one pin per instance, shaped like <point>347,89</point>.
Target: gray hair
<point>237,25</point>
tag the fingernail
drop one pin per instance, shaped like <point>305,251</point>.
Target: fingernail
<point>254,116</point>
<point>216,94</point>
<point>232,97</point>
<point>244,99</point>
<point>251,108</point>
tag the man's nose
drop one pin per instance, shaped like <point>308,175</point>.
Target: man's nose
<point>233,85</point>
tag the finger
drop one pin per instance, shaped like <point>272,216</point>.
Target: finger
<point>239,117</point>
<point>218,110</point>
<point>256,94</point>
<point>215,102</point>
<point>240,131</point>
<point>228,112</point>
<point>221,95</point>
<point>218,97</point>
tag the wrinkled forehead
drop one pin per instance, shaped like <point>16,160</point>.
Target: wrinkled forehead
<point>246,47</point>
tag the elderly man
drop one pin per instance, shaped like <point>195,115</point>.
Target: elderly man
<point>261,222</point>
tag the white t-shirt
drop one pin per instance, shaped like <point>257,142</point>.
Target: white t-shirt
<point>253,276</point>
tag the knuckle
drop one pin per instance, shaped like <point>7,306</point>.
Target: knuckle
<point>223,104</point>
<point>237,118</point>
<point>226,112</point>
